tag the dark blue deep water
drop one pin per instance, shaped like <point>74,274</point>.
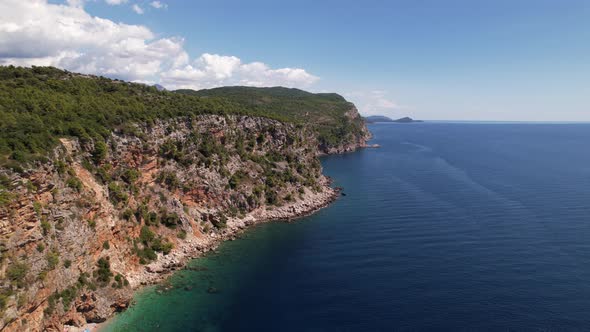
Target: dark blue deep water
<point>460,227</point>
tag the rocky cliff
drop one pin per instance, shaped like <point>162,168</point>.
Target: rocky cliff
<point>84,227</point>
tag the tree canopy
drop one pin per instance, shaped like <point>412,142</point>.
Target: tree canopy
<point>40,104</point>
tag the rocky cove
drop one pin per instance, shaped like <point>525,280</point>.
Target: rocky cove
<point>83,231</point>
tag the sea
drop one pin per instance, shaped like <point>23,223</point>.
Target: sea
<point>445,227</point>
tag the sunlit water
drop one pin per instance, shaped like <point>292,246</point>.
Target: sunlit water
<point>446,227</point>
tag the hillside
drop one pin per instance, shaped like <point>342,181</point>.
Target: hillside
<point>335,119</point>
<point>377,118</point>
<point>106,186</point>
<point>40,104</point>
<point>381,118</point>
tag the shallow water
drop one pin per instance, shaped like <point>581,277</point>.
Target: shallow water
<point>448,226</point>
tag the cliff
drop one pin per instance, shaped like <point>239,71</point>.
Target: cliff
<point>86,222</point>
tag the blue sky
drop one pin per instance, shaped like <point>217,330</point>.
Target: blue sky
<point>459,59</point>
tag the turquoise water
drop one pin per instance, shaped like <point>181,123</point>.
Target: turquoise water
<point>448,226</point>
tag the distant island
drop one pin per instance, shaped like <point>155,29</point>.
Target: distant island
<point>382,118</point>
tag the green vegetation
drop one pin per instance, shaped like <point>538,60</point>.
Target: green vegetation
<point>120,281</point>
<point>170,220</point>
<point>146,235</point>
<point>103,272</point>
<point>74,183</point>
<point>100,151</point>
<point>169,179</point>
<point>52,259</point>
<point>325,111</point>
<point>4,295</point>
<point>181,234</point>
<point>237,178</point>
<point>219,222</point>
<point>150,244</point>
<point>40,104</point>
<point>17,272</point>
<point>45,226</point>
<point>117,193</point>
<point>67,296</point>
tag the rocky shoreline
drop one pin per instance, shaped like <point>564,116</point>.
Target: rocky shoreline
<point>166,265</point>
<point>194,248</point>
<point>141,213</point>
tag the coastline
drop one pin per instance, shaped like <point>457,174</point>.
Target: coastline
<point>166,265</point>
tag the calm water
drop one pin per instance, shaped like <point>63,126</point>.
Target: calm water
<point>446,227</point>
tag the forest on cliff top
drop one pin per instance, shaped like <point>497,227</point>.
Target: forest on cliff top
<point>40,104</point>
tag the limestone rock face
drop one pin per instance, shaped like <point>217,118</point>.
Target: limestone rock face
<point>80,232</point>
<point>353,140</point>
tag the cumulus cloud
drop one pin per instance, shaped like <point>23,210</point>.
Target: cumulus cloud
<point>35,32</point>
<point>376,102</point>
<point>115,2</point>
<point>158,4</point>
<point>136,8</point>
<point>211,70</point>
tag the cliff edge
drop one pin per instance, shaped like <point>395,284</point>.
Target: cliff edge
<point>106,186</point>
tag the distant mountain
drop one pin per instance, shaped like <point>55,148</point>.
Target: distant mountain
<point>377,118</point>
<point>159,87</point>
<point>382,118</point>
<point>406,120</point>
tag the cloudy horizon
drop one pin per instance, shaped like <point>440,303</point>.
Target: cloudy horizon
<point>139,41</point>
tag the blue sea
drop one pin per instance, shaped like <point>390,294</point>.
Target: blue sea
<point>446,227</point>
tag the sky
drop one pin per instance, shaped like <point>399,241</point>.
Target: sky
<point>501,60</point>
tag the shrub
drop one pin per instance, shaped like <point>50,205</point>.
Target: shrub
<point>120,281</point>
<point>271,197</point>
<point>152,219</point>
<point>87,165</point>
<point>146,235</point>
<point>130,175</point>
<point>161,246</point>
<point>103,173</point>
<point>37,207</point>
<point>170,219</point>
<point>127,214</point>
<point>169,179</point>
<point>103,272</point>
<point>17,273</point>
<point>100,151</point>
<point>67,296</point>
<point>74,183</point>
<point>146,255</point>
<point>45,226</point>
<point>116,193</point>
<point>52,259</point>
<point>4,295</point>
<point>219,222</point>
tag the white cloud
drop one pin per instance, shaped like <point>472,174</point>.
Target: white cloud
<point>212,70</point>
<point>376,102</point>
<point>158,4</point>
<point>136,8</point>
<point>115,2</point>
<point>76,3</point>
<point>38,33</point>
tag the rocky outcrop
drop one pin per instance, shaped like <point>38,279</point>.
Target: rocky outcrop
<point>354,139</point>
<point>83,229</point>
